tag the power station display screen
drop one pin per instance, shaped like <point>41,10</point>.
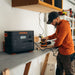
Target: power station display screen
<point>23,37</point>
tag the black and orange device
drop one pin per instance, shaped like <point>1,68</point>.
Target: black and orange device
<point>19,41</point>
<point>44,43</point>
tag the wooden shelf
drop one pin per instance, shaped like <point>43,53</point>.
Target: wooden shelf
<point>36,5</point>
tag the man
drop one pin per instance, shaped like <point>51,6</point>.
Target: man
<point>64,43</point>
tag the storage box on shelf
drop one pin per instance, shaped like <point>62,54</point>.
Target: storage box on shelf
<point>72,25</point>
<point>39,5</point>
<point>58,3</point>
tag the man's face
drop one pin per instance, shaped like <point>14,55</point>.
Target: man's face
<point>55,22</point>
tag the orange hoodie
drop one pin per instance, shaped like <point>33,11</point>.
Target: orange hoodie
<point>63,38</point>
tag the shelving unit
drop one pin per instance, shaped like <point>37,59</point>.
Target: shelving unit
<point>39,5</point>
<point>72,25</point>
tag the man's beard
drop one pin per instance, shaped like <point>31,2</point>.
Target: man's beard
<point>56,24</point>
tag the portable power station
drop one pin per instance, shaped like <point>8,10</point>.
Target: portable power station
<point>19,41</point>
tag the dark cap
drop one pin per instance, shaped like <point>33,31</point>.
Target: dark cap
<point>53,15</point>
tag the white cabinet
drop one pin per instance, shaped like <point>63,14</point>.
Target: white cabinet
<point>72,25</point>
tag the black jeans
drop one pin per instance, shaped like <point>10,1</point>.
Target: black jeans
<point>64,64</point>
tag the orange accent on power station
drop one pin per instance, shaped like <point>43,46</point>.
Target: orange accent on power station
<point>23,33</point>
<point>13,54</point>
<point>6,35</point>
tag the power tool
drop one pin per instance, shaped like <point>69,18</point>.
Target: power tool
<point>44,43</point>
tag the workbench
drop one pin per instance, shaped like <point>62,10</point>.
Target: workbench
<point>10,61</point>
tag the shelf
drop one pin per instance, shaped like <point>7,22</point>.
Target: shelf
<point>36,5</point>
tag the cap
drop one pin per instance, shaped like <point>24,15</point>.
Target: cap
<point>53,15</point>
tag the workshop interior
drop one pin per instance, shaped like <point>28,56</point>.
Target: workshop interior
<point>23,25</point>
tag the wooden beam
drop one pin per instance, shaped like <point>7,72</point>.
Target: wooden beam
<point>53,2</point>
<point>62,4</point>
<point>27,67</point>
<point>45,64</point>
